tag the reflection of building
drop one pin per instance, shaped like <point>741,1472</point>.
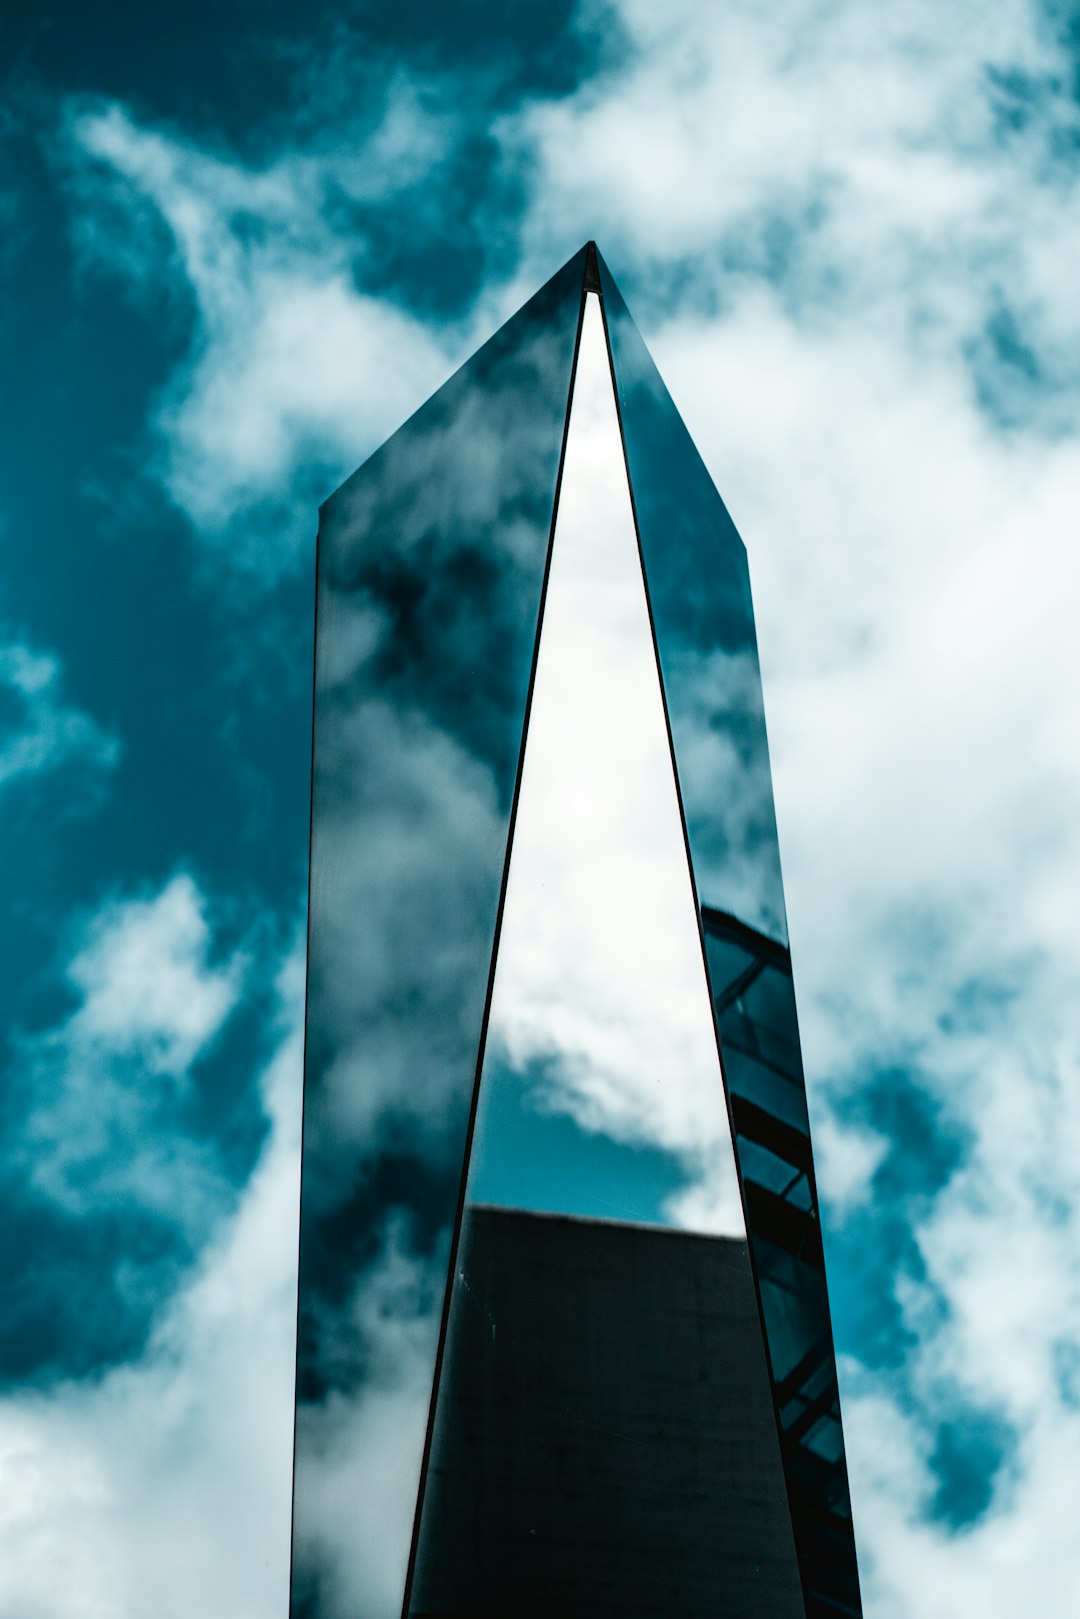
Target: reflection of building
<point>660,1407</point>
<point>608,1445</point>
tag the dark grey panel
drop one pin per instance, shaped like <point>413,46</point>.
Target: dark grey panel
<point>605,1441</point>
<point>699,593</point>
<point>431,563</point>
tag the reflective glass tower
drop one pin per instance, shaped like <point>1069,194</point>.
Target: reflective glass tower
<point>539,1369</point>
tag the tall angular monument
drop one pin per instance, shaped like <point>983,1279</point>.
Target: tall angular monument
<point>542,1367</point>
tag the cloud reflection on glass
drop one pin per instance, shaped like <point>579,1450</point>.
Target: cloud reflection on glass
<point>431,564</point>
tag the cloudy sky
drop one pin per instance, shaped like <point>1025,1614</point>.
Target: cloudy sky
<point>237,250</point>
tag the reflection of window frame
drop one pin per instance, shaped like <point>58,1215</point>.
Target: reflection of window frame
<point>806,1395</point>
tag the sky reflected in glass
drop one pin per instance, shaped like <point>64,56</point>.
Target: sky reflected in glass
<point>601,1092</point>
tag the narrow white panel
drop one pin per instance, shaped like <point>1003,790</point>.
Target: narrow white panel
<point>602,1093</point>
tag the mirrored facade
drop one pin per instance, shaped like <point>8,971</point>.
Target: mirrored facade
<point>553,1354</point>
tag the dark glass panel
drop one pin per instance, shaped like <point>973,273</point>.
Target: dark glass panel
<point>431,564</point>
<point>699,592</point>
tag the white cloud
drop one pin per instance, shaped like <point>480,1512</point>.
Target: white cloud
<point>164,1486</point>
<point>866,156</point>
<point>294,372</point>
<point>104,1084</point>
<point>910,1564</point>
<point>47,733</point>
<point>146,984</point>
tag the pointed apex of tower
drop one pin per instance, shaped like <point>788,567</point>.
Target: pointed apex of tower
<point>592,269</point>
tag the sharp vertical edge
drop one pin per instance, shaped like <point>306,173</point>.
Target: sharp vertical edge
<point>303,1099</point>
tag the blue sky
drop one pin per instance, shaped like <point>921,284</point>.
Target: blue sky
<point>237,250</point>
